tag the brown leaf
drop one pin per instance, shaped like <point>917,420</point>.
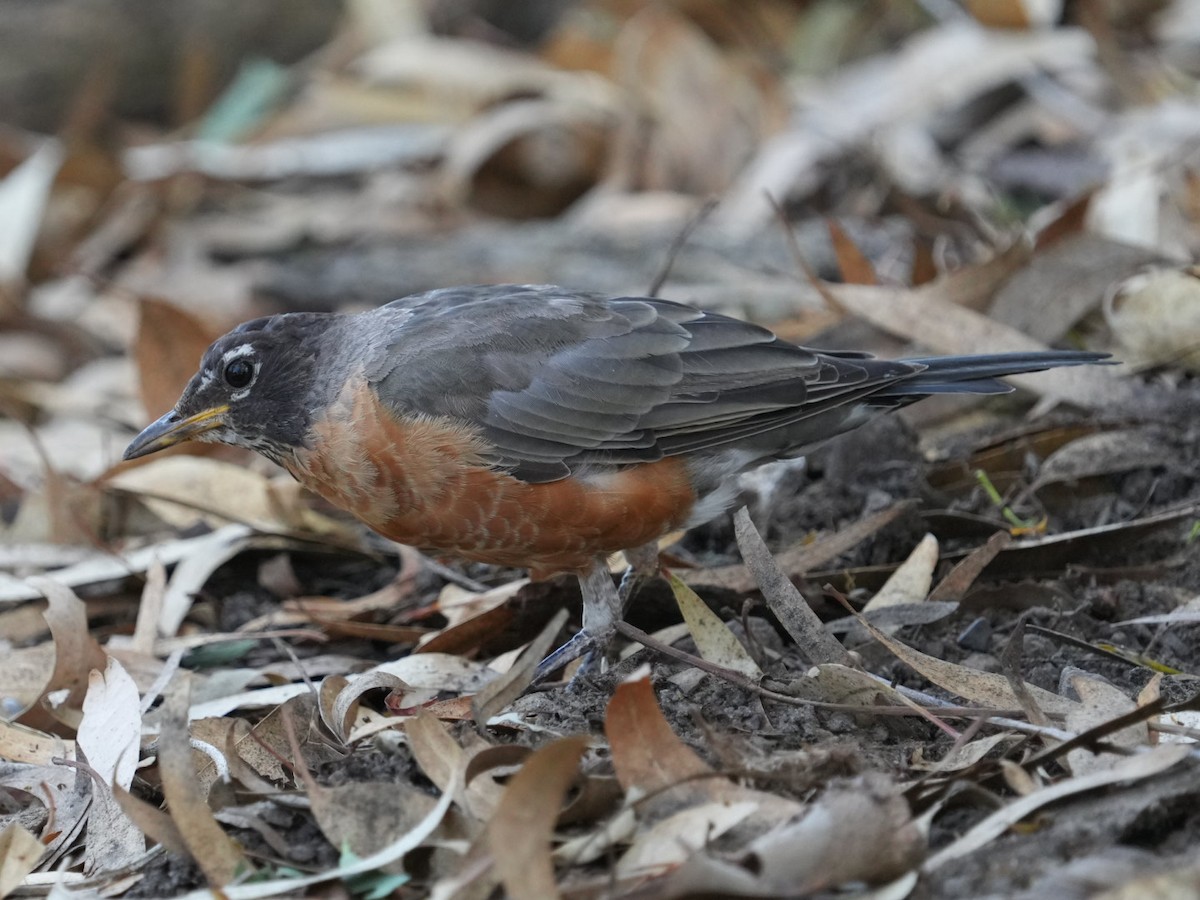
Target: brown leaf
<point>520,832</point>
<point>504,690</point>
<point>646,754</point>
<point>167,352</point>
<point>76,652</point>
<point>959,579</point>
<point>855,267</point>
<point>217,855</point>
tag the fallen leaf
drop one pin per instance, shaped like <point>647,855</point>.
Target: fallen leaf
<point>169,345</point>
<point>1100,702</point>
<point>1129,770</point>
<point>503,690</point>
<point>108,738</point>
<point>646,754</point>
<point>985,688</point>
<point>23,195</point>
<point>75,650</point>
<point>911,581</point>
<point>214,851</point>
<point>522,826</point>
<point>20,853</point>
<point>782,598</point>
<point>714,640</point>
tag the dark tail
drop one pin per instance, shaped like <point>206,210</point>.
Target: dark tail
<point>980,374</point>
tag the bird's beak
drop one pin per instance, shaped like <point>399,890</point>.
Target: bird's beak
<point>169,430</point>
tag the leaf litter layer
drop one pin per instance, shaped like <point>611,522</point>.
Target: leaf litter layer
<point>947,655</point>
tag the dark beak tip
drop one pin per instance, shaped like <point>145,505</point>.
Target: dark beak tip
<point>145,443</point>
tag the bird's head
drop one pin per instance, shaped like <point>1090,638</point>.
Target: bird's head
<point>253,389</point>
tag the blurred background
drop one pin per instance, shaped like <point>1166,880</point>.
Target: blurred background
<point>170,169</point>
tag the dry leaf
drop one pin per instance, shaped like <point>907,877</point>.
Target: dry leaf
<point>1131,770</point>
<point>782,598</point>
<point>520,830</point>
<point>985,688</point>
<point>911,581</point>
<point>108,738</point>
<point>20,853</point>
<point>214,851</point>
<point>23,195</point>
<point>714,640</point>
<point>646,754</point>
<point>75,650</point>
<point>167,350</point>
<point>1100,702</point>
<point>1155,316</point>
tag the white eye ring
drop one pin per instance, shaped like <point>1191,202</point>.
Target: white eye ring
<point>245,371</point>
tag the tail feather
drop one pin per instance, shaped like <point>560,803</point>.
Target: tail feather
<point>980,374</point>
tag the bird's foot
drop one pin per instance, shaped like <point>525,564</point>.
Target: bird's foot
<point>588,646</point>
<point>602,610</point>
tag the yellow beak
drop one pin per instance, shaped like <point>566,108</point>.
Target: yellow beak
<point>170,430</point>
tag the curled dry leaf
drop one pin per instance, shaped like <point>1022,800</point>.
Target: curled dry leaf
<point>1155,316</point>
<point>76,652</point>
<point>343,704</point>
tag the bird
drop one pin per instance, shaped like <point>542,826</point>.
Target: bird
<point>542,427</point>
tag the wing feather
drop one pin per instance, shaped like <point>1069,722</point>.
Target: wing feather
<point>557,380</point>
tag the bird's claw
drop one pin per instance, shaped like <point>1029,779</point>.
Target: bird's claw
<point>592,648</point>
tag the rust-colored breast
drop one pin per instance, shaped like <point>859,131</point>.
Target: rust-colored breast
<point>424,482</point>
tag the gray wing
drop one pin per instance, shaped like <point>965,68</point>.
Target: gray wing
<point>557,380</point>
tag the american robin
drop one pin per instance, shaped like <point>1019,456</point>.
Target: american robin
<point>541,427</point>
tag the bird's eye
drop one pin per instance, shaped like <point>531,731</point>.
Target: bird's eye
<point>239,373</point>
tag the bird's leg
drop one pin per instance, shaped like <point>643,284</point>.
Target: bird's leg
<point>602,608</point>
<point>643,565</point>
